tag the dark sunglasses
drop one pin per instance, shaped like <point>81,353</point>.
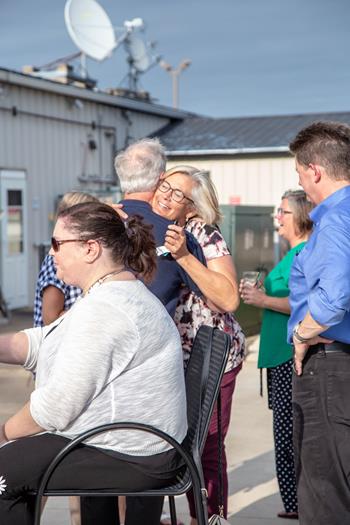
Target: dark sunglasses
<point>55,243</point>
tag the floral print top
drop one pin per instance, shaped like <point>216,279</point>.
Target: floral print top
<point>193,312</point>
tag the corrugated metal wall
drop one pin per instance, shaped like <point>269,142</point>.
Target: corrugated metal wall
<point>250,180</point>
<point>62,143</point>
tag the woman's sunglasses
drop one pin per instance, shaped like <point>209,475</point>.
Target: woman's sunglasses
<point>55,243</point>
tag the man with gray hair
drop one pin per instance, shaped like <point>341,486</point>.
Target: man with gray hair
<point>139,168</point>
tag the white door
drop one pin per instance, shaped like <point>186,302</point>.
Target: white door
<point>14,246</point>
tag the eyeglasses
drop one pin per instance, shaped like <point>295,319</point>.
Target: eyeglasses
<point>176,195</point>
<point>55,243</point>
<point>281,212</point>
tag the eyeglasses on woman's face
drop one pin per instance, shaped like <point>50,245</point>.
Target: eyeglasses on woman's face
<point>281,212</point>
<point>176,194</point>
<point>56,243</point>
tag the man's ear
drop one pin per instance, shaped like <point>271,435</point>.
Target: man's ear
<point>92,250</point>
<point>318,170</point>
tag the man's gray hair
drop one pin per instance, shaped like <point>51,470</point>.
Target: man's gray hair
<point>140,166</point>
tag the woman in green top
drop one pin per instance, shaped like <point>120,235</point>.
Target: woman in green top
<point>275,354</point>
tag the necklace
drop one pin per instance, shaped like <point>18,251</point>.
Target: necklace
<point>102,279</point>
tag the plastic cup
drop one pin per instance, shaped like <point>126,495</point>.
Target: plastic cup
<point>250,278</point>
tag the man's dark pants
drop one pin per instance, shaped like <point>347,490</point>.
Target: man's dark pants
<point>321,411</point>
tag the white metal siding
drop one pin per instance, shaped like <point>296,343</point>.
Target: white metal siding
<point>48,140</point>
<point>255,181</point>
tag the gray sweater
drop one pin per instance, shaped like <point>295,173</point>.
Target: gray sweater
<point>114,356</point>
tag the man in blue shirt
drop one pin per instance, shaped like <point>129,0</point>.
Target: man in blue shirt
<point>319,328</point>
<point>139,169</point>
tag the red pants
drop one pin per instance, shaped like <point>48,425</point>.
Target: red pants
<point>210,453</point>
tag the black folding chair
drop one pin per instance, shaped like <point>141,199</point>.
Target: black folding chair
<point>203,376</point>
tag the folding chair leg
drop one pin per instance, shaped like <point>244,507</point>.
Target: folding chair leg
<point>172,509</point>
<point>38,510</point>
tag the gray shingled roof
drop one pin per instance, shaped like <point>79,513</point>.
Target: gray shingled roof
<point>210,136</point>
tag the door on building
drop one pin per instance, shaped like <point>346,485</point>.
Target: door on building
<point>13,240</point>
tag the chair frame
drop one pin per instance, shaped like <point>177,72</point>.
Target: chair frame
<point>193,475</point>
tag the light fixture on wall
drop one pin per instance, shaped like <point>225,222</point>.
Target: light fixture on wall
<point>3,90</point>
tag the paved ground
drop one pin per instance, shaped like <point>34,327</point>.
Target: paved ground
<point>254,498</point>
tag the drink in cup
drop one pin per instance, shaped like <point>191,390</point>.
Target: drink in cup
<point>250,278</point>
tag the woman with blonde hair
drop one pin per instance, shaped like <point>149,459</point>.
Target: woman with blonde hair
<point>187,196</point>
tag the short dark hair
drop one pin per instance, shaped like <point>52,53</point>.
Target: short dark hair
<point>130,243</point>
<point>327,144</point>
<point>301,207</point>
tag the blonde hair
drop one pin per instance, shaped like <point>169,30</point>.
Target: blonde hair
<point>74,197</point>
<point>204,193</point>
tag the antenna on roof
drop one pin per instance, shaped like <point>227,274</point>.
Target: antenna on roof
<point>140,59</point>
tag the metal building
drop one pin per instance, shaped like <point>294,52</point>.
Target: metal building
<point>248,158</point>
<point>56,138</point>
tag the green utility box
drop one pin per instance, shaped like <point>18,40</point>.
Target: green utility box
<point>249,233</point>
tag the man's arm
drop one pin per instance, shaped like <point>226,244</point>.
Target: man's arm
<point>305,334</point>
<point>327,268</point>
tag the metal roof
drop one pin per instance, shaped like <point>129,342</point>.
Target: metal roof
<point>25,80</point>
<point>234,136</point>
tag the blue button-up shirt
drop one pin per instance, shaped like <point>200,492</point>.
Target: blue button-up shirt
<point>320,275</point>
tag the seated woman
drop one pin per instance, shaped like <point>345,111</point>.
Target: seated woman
<point>96,364</point>
<point>186,195</point>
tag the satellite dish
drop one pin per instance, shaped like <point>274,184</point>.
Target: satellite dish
<point>90,28</point>
<point>93,33</point>
<point>138,54</point>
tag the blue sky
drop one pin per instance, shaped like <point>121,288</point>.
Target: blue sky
<point>249,57</point>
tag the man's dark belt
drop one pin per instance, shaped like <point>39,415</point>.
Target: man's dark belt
<point>336,346</point>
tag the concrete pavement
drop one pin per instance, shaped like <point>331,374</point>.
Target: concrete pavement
<point>253,491</point>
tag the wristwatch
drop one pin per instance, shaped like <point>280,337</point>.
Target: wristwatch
<point>297,336</point>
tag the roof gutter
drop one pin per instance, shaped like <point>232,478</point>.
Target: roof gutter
<point>25,80</point>
<point>228,151</point>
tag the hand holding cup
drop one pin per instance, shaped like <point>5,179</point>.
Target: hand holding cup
<point>250,290</point>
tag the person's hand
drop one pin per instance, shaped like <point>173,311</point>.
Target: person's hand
<point>300,350</point>
<point>119,209</point>
<point>175,241</point>
<point>251,294</point>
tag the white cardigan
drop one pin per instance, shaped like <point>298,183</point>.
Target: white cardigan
<point>114,356</point>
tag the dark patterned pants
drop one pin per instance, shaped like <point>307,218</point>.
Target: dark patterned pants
<point>279,382</point>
